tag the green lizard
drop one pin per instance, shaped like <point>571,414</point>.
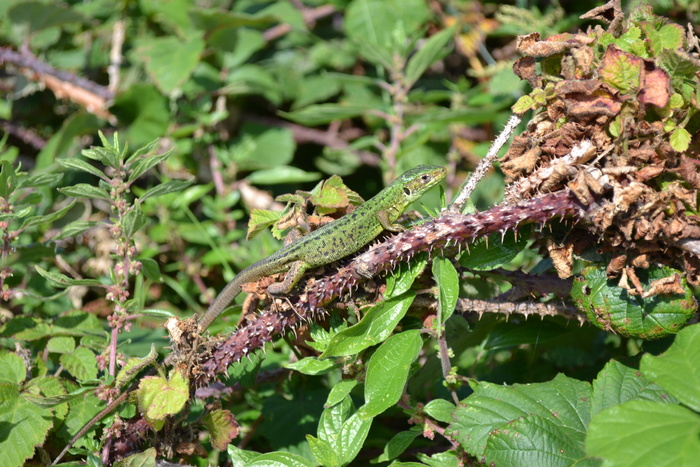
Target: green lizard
<point>334,240</point>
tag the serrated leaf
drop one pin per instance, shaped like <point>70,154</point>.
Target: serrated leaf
<point>261,219</point>
<point>311,366</point>
<point>172,186</point>
<point>83,190</point>
<point>669,36</point>
<point>432,51</point>
<point>523,104</point>
<point>613,308</point>
<point>621,69</point>
<point>617,384</point>
<point>12,368</point>
<point>387,372</point>
<point>222,427</point>
<point>680,139</point>
<point>81,363</point>
<point>39,16</point>
<point>159,397</point>
<point>377,324</point>
<point>48,218</point>
<point>564,401</point>
<point>645,433</point>
<point>676,370</point>
<point>60,344</point>
<point>82,166</point>
<point>23,425</point>
<point>447,280</point>
<point>170,61</point>
<point>320,114</point>
<point>528,440</point>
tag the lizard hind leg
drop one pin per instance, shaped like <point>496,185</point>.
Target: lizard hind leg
<point>294,274</point>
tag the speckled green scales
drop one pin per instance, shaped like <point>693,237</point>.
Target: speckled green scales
<point>333,241</point>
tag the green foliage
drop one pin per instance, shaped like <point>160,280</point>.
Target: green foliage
<point>100,244</point>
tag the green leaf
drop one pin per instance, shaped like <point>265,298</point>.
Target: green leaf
<point>440,409</point>
<point>387,372</point>
<point>133,220</point>
<point>645,433</point>
<point>447,280</point>
<point>323,452</point>
<point>23,426</point>
<point>376,21</point>
<point>680,139</point>
<point>159,397</point>
<point>523,104</point>
<point>150,269</point>
<point>76,228</point>
<point>494,253</point>
<point>331,421</point>
<point>669,36</point>
<point>611,307</point>
<point>263,147</point>
<point>222,427</point>
<point>621,69</point>
<point>492,407</point>
<point>170,61</point>
<point>133,366</point>
<point>377,324</point>
<point>529,440</point>
<point>8,179</point>
<point>81,363</point>
<point>677,369</point>
<point>339,391</point>
<point>261,219</point>
<point>352,436</point>
<point>60,280</point>
<point>282,174</point>
<point>311,366</point>
<point>320,114</point>
<point>432,51</point>
<point>617,384</point>
<point>144,111</point>
<point>12,368</point>
<point>83,190</point>
<point>403,277</point>
<point>48,218</point>
<point>39,16</point>
<point>396,446</point>
<point>61,344</point>
<point>144,164</point>
<point>280,459</point>
<point>146,458</point>
<point>173,186</point>
<point>82,166</point>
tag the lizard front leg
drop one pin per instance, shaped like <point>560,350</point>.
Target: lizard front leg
<point>296,270</point>
<point>384,220</point>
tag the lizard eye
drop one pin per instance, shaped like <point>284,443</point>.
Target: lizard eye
<point>425,178</point>
<point>406,191</point>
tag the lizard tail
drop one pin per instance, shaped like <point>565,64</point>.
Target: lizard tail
<point>221,301</point>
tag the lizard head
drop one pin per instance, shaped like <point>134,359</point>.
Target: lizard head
<point>418,180</point>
